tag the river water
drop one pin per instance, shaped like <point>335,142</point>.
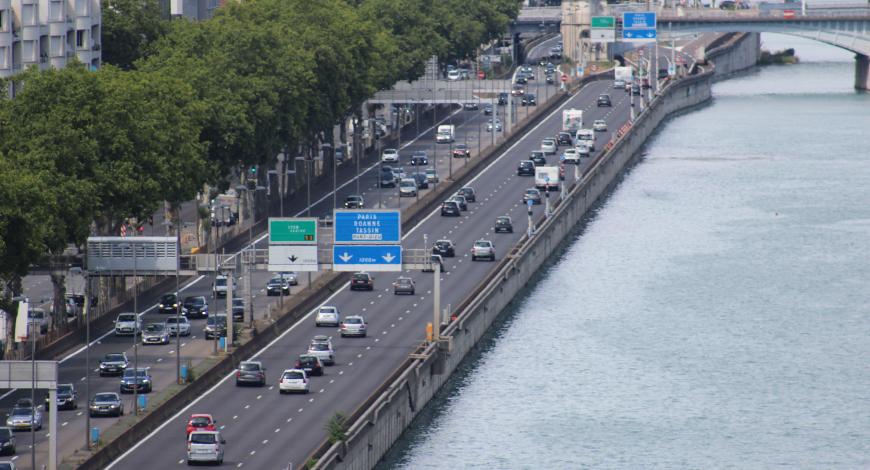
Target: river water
<point>712,313</point>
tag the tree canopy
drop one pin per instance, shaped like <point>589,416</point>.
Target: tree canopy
<point>187,102</point>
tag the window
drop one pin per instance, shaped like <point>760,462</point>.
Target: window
<point>82,7</point>
<point>3,15</point>
<point>80,38</point>
<point>56,11</point>
<point>4,59</point>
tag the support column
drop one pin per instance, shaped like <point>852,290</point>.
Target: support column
<point>862,72</point>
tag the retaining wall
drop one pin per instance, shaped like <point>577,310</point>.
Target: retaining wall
<point>384,417</point>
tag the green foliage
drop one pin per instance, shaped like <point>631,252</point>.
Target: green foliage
<point>336,427</point>
<point>130,28</point>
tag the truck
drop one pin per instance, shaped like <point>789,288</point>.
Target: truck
<point>224,209</point>
<point>547,178</point>
<point>445,134</point>
<point>572,120</point>
<point>622,73</point>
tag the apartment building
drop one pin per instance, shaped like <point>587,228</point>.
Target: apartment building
<point>48,33</point>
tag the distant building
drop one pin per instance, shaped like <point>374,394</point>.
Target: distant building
<point>48,33</point>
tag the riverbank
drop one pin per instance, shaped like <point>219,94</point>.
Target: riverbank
<point>374,429</point>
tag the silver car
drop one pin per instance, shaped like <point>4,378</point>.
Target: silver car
<point>327,316</point>
<point>483,249</point>
<point>353,325</point>
<point>407,188</point>
<point>182,326</point>
<point>548,146</point>
<point>155,333</point>
<point>321,347</point>
<point>24,418</point>
<point>205,446</point>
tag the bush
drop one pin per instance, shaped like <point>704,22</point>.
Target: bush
<point>335,427</point>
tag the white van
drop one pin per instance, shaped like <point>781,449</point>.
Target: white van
<point>587,135</point>
<point>205,446</point>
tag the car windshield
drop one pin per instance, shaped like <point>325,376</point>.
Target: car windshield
<point>361,277</point>
<point>39,314</point>
<point>461,146</point>
<point>212,320</point>
<point>403,281</point>
<point>154,328</point>
<point>319,347</point>
<point>502,220</point>
<point>327,309</point>
<point>548,142</point>
<point>238,303</point>
<point>195,301</point>
<point>173,321</point>
<point>202,438</point>
<point>105,397</point>
<point>407,184</point>
<point>200,421</point>
<point>307,360</point>
<point>532,192</point>
<point>66,389</point>
<point>220,282</point>
<point>167,299</point>
<point>127,317</point>
<point>295,375</point>
<point>21,411</point>
<point>442,244</point>
<point>114,357</point>
<point>481,244</point>
<point>5,434</point>
<point>130,372</point>
<point>248,367</point>
<point>353,321</point>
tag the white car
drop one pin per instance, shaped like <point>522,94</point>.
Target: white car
<point>127,324</point>
<point>182,326</point>
<point>548,146</point>
<point>390,156</point>
<point>407,187</point>
<point>483,249</point>
<point>321,347</point>
<point>618,83</point>
<point>582,148</point>
<point>327,315</point>
<point>454,75</point>
<point>570,155</point>
<point>353,325</point>
<point>600,125</point>
<point>155,333</point>
<point>293,380</point>
<point>205,446</point>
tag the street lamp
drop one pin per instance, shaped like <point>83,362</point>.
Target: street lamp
<point>282,176</point>
<point>132,247</point>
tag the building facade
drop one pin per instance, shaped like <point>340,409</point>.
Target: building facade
<point>48,33</point>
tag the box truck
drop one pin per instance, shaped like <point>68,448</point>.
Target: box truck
<point>445,134</point>
<point>572,120</point>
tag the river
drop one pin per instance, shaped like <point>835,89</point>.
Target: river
<point>711,313</point>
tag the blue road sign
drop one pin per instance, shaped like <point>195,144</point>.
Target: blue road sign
<point>367,258</point>
<point>530,203</point>
<point>368,226</point>
<point>639,20</point>
<point>639,35</point>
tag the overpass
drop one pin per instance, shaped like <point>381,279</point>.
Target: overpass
<point>846,26</point>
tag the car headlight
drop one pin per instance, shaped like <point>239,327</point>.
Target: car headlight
<point>94,407</point>
<point>113,406</point>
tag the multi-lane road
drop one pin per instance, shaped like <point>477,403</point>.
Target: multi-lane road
<point>264,429</point>
<point>471,129</point>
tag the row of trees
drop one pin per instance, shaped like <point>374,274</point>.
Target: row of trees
<point>186,102</point>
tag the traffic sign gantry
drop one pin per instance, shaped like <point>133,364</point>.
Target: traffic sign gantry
<point>301,231</point>
<point>367,226</point>
<point>367,258</point>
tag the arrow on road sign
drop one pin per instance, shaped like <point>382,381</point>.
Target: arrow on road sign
<point>345,257</point>
<point>292,258</point>
<point>388,257</point>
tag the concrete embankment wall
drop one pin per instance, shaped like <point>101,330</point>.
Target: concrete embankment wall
<point>386,415</point>
<point>738,53</point>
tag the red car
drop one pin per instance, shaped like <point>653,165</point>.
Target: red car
<point>461,151</point>
<point>201,422</point>
<point>562,171</point>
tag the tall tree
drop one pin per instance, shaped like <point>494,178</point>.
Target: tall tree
<point>130,28</point>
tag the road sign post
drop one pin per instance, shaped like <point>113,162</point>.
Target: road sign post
<point>639,26</point>
<point>293,244</point>
<point>383,258</point>
<point>367,226</point>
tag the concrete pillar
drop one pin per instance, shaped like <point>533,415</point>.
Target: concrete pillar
<point>862,72</point>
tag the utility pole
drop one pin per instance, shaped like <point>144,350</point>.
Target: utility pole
<point>230,285</point>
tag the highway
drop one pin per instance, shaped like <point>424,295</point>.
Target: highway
<point>266,430</point>
<point>161,359</point>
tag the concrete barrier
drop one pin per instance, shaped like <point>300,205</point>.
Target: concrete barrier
<point>382,419</point>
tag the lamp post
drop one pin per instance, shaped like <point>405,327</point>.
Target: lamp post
<point>178,302</point>
<point>87,317</point>
<point>132,247</point>
<point>282,176</point>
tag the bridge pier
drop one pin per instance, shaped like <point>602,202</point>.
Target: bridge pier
<point>862,72</point>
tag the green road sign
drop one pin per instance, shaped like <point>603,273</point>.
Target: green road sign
<point>604,22</point>
<point>292,230</point>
